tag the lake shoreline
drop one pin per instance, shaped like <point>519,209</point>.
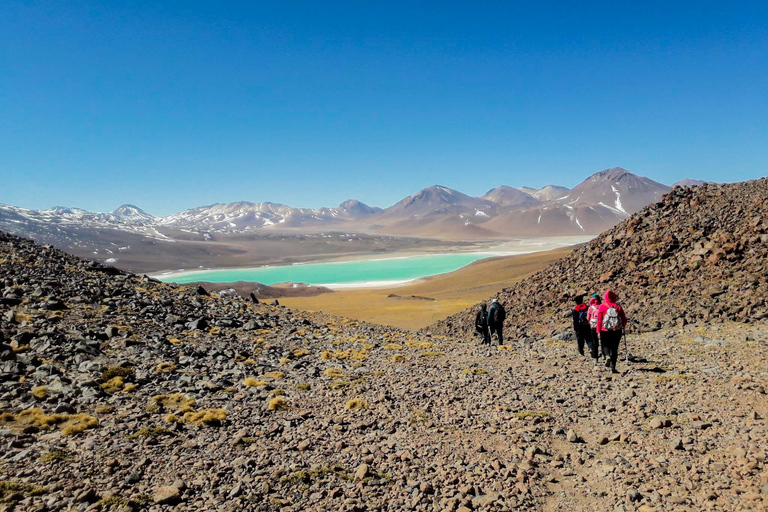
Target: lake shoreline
<point>483,251</point>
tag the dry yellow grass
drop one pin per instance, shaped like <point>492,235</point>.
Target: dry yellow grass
<point>451,292</point>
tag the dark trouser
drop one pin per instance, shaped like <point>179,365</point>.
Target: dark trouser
<point>611,340</point>
<point>496,329</point>
<point>582,336</point>
<point>486,334</point>
<point>595,343</point>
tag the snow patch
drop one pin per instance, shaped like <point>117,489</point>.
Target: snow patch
<point>618,199</point>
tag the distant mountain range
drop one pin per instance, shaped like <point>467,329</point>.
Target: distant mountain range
<point>598,203</point>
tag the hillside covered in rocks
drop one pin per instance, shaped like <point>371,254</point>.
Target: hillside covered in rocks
<point>700,255</point>
<point>121,393</point>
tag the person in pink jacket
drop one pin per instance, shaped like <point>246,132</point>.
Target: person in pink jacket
<point>594,305</point>
<point>611,322</point>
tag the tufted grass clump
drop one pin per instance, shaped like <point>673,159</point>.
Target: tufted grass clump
<point>165,367</point>
<point>505,347</point>
<point>527,415</point>
<point>175,402</point>
<point>104,409</point>
<point>250,382</point>
<point>671,378</point>
<point>432,353</point>
<point>274,375</point>
<point>8,489</point>
<point>111,502</point>
<point>334,373</point>
<point>117,371</point>
<point>150,432</point>
<point>424,345</point>
<point>397,358</point>
<point>303,386</point>
<point>209,417</point>
<point>392,346</point>
<point>40,392</point>
<point>77,423</point>
<point>22,318</point>
<point>474,371</point>
<point>53,457</point>
<point>69,424</point>
<point>113,385</point>
<point>278,403</point>
<point>356,404</point>
<point>300,352</point>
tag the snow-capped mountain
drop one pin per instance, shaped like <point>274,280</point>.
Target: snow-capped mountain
<point>599,202</point>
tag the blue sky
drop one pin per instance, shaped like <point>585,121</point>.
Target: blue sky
<point>171,105</point>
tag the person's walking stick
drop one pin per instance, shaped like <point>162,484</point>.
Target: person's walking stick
<point>626,344</point>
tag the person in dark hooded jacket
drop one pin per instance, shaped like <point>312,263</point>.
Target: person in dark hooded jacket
<point>496,316</point>
<point>581,324</point>
<point>481,325</point>
<point>611,323</point>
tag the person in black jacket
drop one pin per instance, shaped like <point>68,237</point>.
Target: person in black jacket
<point>581,324</point>
<point>496,316</point>
<point>481,324</point>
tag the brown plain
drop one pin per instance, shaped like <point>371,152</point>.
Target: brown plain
<point>418,305</point>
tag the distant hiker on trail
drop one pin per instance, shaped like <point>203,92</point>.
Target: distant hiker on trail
<point>611,322</point>
<point>496,316</point>
<point>481,324</point>
<point>594,306</point>
<point>581,324</point>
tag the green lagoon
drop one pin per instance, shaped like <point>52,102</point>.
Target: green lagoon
<point>351,273</point>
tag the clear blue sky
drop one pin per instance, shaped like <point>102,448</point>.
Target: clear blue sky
<point>176,104</point>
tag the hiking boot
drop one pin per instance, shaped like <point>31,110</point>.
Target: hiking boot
<point>607,363</point>
<point>614,370</point>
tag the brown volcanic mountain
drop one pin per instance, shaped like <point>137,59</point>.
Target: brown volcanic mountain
<point>617,189</point>
<point>699,255</point>
<point>510,197</point>
<point>596,204</point>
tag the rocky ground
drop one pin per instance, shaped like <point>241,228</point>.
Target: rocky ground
<point>120,393</point>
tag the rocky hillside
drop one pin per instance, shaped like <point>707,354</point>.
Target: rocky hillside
<point>699,255</point>
<point>118,393</point>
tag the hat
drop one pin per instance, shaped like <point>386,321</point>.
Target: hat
<point>595,296</point>
<point>495,300</point>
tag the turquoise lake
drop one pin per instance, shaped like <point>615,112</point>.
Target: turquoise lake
<point>350,272</point>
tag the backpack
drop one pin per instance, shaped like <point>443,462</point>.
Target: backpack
<point>593,320</point>
<point>611,320</point>
<point>496,315</point>
<point>582,318</point>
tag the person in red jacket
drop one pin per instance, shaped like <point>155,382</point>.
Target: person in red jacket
<point>611,322</point>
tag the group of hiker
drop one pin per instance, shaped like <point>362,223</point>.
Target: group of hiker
<point>599,325</point>
<point>489,321</point>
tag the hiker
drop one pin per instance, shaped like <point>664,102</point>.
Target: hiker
<point>611,322</point>
<point>593,325</point>
<point>594,306</point>
<point>481,324</point>
<point>496,316</point>
<point>581,324</point>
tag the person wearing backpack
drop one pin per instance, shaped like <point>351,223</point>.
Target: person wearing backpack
<point>481,324</point>
<point>496,316</point>
<point>581,324</point>
<point>611,322</point>
<point>594,306</point>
